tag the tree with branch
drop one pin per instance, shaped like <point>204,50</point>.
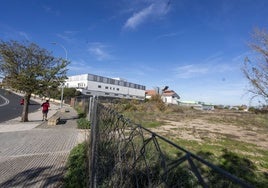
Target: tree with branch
<point>29,68</point>
<point>256,68</point>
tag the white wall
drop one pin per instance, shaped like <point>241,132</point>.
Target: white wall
<point>169,100</point>
<point>97,85</point>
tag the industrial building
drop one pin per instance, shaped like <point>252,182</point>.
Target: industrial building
<point>94,85</point>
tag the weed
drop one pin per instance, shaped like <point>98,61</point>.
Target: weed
<point>83,123</point>
<point>76,175</point>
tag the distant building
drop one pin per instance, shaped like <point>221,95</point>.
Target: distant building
<point>167,96</point>
<point>94,85</point>
<point>197,105</point>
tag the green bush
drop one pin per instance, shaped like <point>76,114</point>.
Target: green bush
<point>83,123</point>
<point>80,112</point>
<point>77,168</point>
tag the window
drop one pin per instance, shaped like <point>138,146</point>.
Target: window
<point>95,78</point>
<point>106,87</point>
<point>99,86</point>
<point>117,89</point>
<point>81,85</point>
<point>107,93</point>
<point>90,77</point>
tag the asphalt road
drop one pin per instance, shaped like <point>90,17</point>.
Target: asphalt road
<point>10,105</point>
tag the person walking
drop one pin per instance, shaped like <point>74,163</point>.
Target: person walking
<point>45,107</point>
<point>22,101</point>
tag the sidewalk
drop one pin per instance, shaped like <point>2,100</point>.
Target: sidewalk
<point>34,154</point>
<point>35,119</point>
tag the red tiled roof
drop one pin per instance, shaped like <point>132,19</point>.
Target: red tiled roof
<point>168,93</point>
<point>165,93</point>
<point>150,92</point>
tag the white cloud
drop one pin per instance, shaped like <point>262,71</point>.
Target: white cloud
<point>99,51</point>
<point>68,36</point>
<point>189,71</point>
<point>79,67</point>
<point>24,35</point>
<point>169,35</point>
<point>138,18</point>
<point>156,9</point>
<point>214,64</point>
<point>50,10</point>
<point>9,33</point>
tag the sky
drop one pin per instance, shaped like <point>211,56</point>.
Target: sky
<point>195,47</point>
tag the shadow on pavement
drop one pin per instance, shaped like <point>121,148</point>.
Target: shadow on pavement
<point>35,176</point>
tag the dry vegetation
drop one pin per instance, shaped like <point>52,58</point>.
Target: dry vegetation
<point>243,133</point>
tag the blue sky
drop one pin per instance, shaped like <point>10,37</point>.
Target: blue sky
<point>196,47</point>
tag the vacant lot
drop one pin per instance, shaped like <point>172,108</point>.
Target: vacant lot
<point>244,134</point>
<point>216,126</point>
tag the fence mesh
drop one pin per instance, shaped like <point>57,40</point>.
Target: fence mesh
<point>125,154</point>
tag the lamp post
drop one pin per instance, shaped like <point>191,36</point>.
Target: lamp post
<point>62,88</point>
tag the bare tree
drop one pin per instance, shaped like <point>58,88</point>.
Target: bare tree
<point>30,69</point>
<point>255,68</point>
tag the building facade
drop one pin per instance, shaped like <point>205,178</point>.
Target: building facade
<point>94,85</point>
<point>197,105</point>
<point>167,96</point>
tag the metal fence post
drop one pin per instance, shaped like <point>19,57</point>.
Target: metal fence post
<point>93,145</point>
<point>90,108</point>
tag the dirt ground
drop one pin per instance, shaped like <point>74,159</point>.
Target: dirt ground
<point>215,127</point>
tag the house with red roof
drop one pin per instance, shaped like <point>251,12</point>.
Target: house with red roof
<point>167,96</point>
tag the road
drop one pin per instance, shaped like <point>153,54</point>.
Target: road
<point>10,105</point>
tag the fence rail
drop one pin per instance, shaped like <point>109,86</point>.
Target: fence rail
<point>125,154</point>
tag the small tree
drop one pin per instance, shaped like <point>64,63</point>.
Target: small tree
<point>31,69</point>
<point>256,71</point>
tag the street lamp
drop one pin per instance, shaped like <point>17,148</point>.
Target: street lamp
<point>62,88</point>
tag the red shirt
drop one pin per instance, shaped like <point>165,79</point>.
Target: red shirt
<point>45,106</point>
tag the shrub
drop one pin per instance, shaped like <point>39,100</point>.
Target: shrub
<point>80,112</point>
<point>83,123</point>
<point>77,168</point>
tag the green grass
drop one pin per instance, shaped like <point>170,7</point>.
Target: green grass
<point>152,124</point>
<point>83,123</point>
<point>80,112</point>
<point>77,168</point>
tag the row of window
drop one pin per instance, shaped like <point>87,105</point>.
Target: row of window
<point>117,95</point>
<point>114,82</point>
<point>78,78</point>
<point>95,78</point>
<point>111,88</point>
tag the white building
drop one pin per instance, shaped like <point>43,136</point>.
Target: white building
<point>197,105</point>
<point>90,84</point>
<point>167,96</point>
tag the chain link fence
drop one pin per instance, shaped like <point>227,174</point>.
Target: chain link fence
<point>125,154</point>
